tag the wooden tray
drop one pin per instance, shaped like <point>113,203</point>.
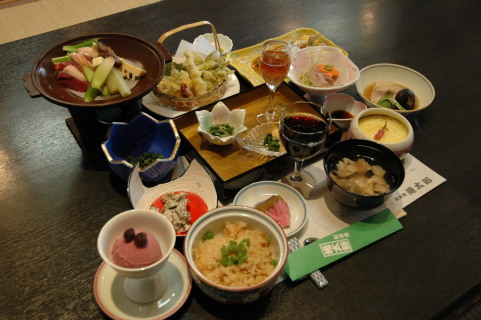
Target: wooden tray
<point>233,167</point>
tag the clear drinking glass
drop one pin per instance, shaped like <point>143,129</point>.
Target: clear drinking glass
<point>304,128</point>
<point>275,61</point>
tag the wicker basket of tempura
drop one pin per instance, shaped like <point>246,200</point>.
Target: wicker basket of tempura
<point>196,81</point>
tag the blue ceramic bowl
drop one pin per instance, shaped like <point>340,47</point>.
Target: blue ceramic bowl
<point>143,134</point>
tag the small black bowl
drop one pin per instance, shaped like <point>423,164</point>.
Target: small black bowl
<point>373,153</point>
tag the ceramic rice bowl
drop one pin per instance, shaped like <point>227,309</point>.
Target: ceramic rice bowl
<point>214,221</point>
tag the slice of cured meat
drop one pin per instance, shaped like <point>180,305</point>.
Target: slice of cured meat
<point>72,83</point>
<point>278,209</point>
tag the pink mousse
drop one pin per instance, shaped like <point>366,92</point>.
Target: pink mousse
<point>128,255</point>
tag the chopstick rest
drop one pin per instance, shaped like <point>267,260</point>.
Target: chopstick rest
<point>317,277</point>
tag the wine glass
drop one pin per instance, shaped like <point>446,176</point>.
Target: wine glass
<point>304,128</point>
<point>275,61</point>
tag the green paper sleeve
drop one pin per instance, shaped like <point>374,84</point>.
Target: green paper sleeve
<point>341,243</point>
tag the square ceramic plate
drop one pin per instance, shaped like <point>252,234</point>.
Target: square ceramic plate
<point>244,60</point>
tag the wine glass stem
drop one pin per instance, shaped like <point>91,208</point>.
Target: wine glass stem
<point>272,96</point>
<point>270,113</point>
<point>296,175</point>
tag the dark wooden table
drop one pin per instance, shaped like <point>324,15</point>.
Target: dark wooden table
<point>53,201</point>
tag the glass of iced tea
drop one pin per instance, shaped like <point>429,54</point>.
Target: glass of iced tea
<point>275,61</point>
<point>304,128</point>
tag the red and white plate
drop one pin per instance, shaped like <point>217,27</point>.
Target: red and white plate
<point>194,180</point>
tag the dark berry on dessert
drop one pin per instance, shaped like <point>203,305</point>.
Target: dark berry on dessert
<point>129,235</point>
<point>140,239</point>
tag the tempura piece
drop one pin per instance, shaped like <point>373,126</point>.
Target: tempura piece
<point>194,76</point>
<point>199,86</point>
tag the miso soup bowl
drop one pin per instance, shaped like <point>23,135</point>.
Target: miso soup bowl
<point>214,221</point>
<point>373,153</point>
<point>400,148</point>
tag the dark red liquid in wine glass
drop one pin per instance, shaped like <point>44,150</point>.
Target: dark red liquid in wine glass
<point>303,135</point>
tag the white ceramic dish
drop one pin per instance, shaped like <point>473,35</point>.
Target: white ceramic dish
<point>195,180</point>
<point>253,140</point>
<point>152,103</point>
<point>343,102</point>
<point>258,192</point>
<point>399,148</point>
<point>224,41</point>
<point>404,76</point>
<point>110,296</point>
<point>220,114</point>
<point>307,58</point>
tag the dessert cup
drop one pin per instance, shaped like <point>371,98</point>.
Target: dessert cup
<point>147,283</point>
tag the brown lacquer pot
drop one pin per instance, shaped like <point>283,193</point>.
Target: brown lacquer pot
<point>149,56</point>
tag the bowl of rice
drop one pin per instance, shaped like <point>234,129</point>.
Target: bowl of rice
<point>235,253</point>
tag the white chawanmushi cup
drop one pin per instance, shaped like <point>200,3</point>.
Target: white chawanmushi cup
<point>401,148</point>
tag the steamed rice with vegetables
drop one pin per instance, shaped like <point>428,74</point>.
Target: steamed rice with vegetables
<point>238,257</point>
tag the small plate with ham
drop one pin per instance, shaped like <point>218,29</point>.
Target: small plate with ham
<point>279,201</point>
